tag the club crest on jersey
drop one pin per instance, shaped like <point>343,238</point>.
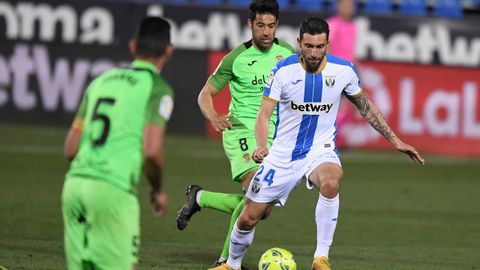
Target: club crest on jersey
<point>278,58</point>
<point>330,81</point>
<point>256,187</point>
<point>246,158</point>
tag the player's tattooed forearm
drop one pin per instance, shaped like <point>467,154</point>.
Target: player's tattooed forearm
<point>373,116</point>
<point>361,103</point>
<point>375,121</point>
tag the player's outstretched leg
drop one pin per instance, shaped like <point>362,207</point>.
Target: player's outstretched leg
<point>190,208</point>
<point>198,198</point>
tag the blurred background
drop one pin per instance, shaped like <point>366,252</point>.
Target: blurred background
<point>419,60</point>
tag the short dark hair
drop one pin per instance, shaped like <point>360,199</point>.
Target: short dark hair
<point>262,7</point>
<point>314,26</point>
<point>152,37</point>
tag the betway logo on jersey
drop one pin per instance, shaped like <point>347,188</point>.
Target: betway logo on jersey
<point>310,107</point>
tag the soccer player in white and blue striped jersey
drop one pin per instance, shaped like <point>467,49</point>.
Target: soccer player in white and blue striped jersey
<point>305,89</point>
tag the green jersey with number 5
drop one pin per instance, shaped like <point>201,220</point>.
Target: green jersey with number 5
<point>115,110</point>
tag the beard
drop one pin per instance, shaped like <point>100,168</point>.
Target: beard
<point>263,43</point>
<point>312,64</point>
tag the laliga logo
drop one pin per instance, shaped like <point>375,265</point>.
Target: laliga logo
<point>358,131</point>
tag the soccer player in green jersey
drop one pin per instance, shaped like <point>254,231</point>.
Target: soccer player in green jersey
<point>246,70</point>
<point>118,130</point>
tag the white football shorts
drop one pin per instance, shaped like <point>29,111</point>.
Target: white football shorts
<point>274,180</point>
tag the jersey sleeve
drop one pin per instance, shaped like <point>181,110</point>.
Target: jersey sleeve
<point>82,109</point>
<point>223,74</point>
<point>354,86</point>
<point>160,105</point>
<point>80,116</point>
<point>273,87</point>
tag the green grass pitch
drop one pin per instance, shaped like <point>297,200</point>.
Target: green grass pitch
<point>394,215</point>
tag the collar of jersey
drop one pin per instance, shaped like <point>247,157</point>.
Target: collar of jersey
<point>320,68</point>
<point>145,65</point>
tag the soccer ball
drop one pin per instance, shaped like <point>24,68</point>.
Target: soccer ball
<point>277,259</point>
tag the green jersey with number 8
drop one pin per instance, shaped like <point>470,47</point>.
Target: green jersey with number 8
<point>246,69</point>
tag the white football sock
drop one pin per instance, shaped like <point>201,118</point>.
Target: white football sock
<point>326,214</point>
<point>198,195</point>
<point>239,242</point>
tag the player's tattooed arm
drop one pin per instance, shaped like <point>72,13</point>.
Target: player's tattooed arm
<point>372,114</point>
<point>374,117</point>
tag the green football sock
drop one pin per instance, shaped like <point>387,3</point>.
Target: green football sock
<point>220,201</point>
<point>233,219</point>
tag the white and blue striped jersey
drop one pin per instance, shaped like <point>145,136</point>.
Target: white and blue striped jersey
<point>308,104</point>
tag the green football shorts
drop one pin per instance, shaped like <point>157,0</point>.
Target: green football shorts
<point>239,144</point>
<point>101,225</point>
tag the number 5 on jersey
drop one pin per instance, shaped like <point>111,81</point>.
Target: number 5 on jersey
<point>268,176</point>
<point>97,116</point>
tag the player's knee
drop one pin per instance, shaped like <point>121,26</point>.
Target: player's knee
<point>247,220</point>
<point>245,224</point>
<point>265,216</point>
<point>330,186</point>
<point>266,213</point>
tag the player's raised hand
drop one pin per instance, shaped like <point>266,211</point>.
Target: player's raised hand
<point>259,154</point>
<point>221,122</point>
<point>159,202</point>
<point>410,151</point>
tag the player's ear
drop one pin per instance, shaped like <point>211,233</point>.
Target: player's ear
<point>169,51</point>
<point>132,45</point>
<point>250,23</point>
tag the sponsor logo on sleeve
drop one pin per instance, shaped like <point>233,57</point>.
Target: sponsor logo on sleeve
<point>269,80</point>
<point>166,107</point>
